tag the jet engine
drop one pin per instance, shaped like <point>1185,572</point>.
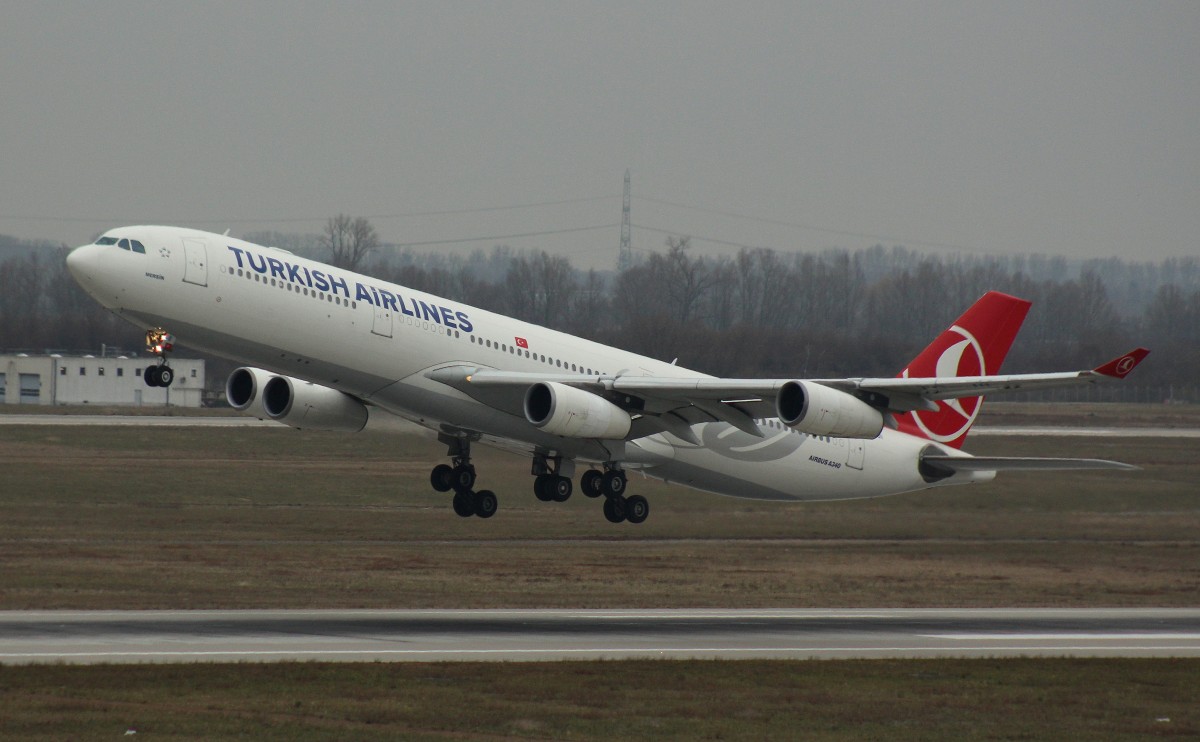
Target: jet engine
<point>300,404</point>
<point>243,390</point>
<point>820,410</point>
<point>574,413</point>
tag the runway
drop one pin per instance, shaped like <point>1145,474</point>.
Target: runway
<point>548,635</point>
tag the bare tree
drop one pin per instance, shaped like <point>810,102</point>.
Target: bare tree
<point>349,240</point>
<point>540,288</point>
<point>684,280</point>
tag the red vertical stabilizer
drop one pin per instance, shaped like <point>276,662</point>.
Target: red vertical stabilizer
<point>975,345</point>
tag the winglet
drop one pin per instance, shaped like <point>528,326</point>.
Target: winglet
<point>1119,368</point>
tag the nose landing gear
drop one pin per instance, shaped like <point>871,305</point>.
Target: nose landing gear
<point>159,342</point>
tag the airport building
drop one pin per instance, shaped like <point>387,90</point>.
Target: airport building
<point>96,380</point>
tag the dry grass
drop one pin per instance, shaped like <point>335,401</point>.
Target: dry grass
<point>190,518</point>
<point>1033,699</point>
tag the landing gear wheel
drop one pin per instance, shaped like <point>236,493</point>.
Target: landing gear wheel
<point>560,488</point>
<point>486,504</point>
<point>464,505</point>
<point>612,483</point>
<point>542,487</point>
<point>150,376</point>
<point>615,509</point>
<point>442,477</point>
<point>589,483</point>
<point>462,478</point>
<point>637,509</point>
<point>166,375</point>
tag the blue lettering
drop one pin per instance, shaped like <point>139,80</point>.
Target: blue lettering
<point>464,322</point>
<point>337,283</point>
<point>447,317</point>
<point>293,273</point>
<point>262,263</point>
<point>276,268</point>
<point>361,294</point>
<point>375,293</point>
<point>428,311</point>
<point>307,278</point>
<point>319,279</point>
<point>387,299</point>
<point>404,308</point>
<point>237,253</point>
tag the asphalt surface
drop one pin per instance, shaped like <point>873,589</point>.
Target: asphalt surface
<point>546,635</point>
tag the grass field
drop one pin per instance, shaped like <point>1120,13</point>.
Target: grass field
<point>1023,699</point>
<point>196,518</point>
<point>100,517</point>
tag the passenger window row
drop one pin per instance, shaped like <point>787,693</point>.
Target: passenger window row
<point>514,350</point>
<point>287,285</point>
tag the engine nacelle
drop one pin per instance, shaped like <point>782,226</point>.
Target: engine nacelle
<point>303,404</point>
<point>820,410</point>
<point>573,413</point>
<point>243,390</point>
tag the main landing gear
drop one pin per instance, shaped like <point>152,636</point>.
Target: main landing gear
<point>611,484</point>
<point>160,343</point>
<point>552,483</point>
<point>460,477</point>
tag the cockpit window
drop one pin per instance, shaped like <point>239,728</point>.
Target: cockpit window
<point>125,244</point>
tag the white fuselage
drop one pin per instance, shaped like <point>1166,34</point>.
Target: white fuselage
<point>376,341</point>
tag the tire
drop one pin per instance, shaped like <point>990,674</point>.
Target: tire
<point>166,375</point>
<point>613,483</point>
<point>542,488</point>
<point>614,509</point>
<point>464,506</point>
<point>637,509</point>
<point>589,483</point>
<point>462,478</point>
<point>150,376</point>
<point>486,504</point>
<point>560,488</point>
<point>441,478</point>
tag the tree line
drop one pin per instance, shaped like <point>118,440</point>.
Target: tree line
<point>756,312</point>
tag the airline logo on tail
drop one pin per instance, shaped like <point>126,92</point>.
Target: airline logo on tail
<point>961,357</point>
<point>975,345</point>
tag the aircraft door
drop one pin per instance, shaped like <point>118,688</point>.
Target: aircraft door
<point>195,269</point>
<point>382,325</point>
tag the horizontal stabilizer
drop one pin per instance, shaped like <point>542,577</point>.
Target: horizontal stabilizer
<point>1119,368</point>
<point>1019,463</point>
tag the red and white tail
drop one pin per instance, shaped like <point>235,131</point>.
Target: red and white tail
<point>975,345</point>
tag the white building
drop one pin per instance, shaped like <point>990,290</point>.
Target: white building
<point>111,380</point>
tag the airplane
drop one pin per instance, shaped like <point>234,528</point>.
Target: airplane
<point>328,349</point>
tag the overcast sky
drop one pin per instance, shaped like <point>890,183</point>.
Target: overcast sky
<point>1063,128</point>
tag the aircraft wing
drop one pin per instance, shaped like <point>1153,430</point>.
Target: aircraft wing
<point>673,404</point>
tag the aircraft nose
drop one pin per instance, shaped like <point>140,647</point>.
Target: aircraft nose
<point>81,264</point>
<point>80,260</point>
